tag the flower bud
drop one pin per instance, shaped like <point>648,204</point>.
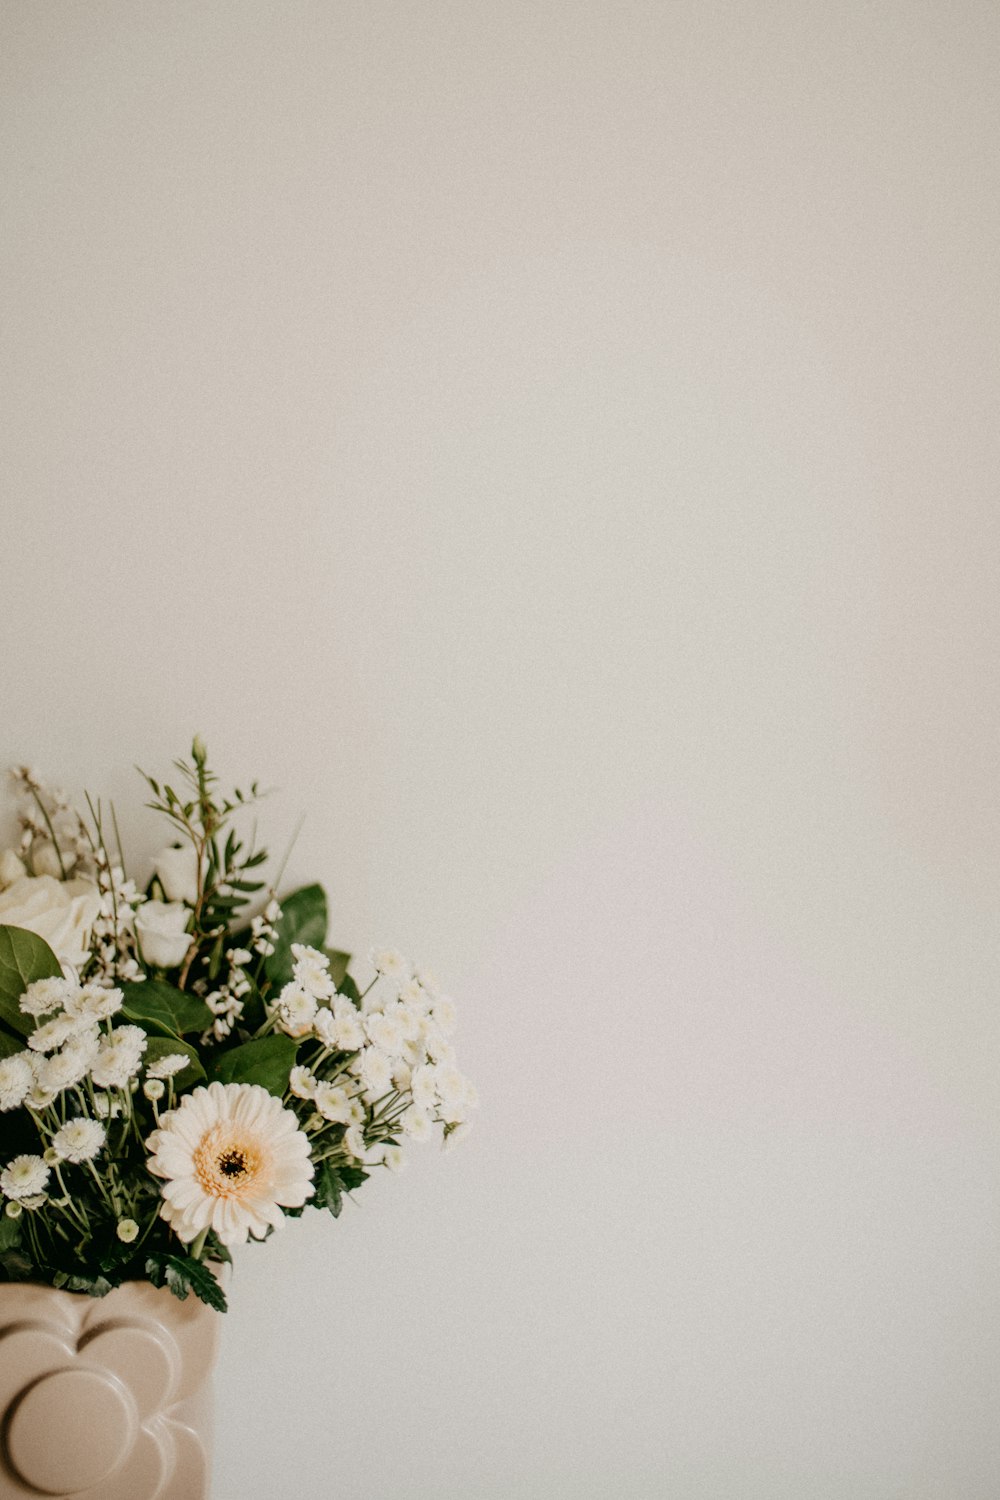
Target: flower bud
<point>11,869</point>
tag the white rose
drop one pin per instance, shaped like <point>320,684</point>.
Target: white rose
<point>60,911</point>
<point>11,869</point>
<point>177,870</point>
<point>45,860</point>
<point>159,926</point>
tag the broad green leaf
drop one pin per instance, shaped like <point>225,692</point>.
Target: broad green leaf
<point>10,1232</point>
<point>164,1046</point>
<point>23,959</point>
<point>303,920</point>
<point>338,965</point>
<point>268,1061</point>
<point>349,988</point>
<point>164,1010</point>
<point>10,1044</point>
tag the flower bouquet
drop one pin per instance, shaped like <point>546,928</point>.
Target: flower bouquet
<point>184,1065</point>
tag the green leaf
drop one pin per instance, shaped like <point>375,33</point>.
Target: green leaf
<point>10,1044</point>
<point>268,1061</point>
<point>303,920</point>
<point>338,965</point>
<point>23,959</point>
<point>329,1193</point>
<point>349,988</point>
<point>10,1232</point>
<point>94,1286</point>
<point>352,1177</point>
<point>183,1275</point>
<point>161,1046</point>
<point>15,1266</point>
<point>162,1009</point>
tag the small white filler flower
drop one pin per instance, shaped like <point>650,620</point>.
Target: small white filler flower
<point>233,1157</point>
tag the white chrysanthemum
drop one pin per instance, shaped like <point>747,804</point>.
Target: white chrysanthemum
<point>312,971</point>
<point>79,1139</point>
<point>24,1177</point>
<point>119,1058</point>
<point>429,981</point>
<point>302,1083</point>
<point>454,1134</point>
<point>325,1028</point>
<point>16,1078</point>
<point>333,1102</point>
<point>94,1003</point>
<point>354,1142</point>
<point>456,1094</point>
<point>374,1069</point>
<point>451,1085</point>
<point>169,1066</point>
<point>233,1157</point>
<point>51,1034</point>
<point>409,1019</point>
<point>350,1032</point>
<point>391,964</point>
<point>416,1124</point>
<point>386,1032</point>
<point>296,1010</point>
<point>413,993</point>
<point>443,1012</point>
<point>39,1096</point>
<point>393,1158</point>
<point>423,1086</point>
<point>70,1065</point>
<point>46,995</point>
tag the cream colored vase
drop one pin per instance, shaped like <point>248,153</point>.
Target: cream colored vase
<point>105,1398</point>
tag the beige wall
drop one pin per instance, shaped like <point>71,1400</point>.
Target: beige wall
<point>557,444</point>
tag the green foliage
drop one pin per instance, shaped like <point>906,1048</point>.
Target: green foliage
<point>329,1192</point>
<point>338,965</point>
<point>23,959</point>
<point>10,1232</point>
<point>10,1044</point>
<point>161,1009</point>
<point>15,1266</point>
<point>303,919</point>
<point>352,1177</point>
<point>94,1286</point>
<point>268,1061</point>
<point>349,988</point>
<point>183,1274</point>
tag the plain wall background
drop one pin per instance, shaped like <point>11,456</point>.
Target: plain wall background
<point>556,445</point>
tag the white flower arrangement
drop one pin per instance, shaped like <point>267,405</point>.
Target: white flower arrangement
<point>178,1073</point>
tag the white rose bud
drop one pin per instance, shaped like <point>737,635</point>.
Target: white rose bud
<point>11,869</point>
<point>60,911</point>
<point>45,861</point>
<point>160,927</point>
<point>177,871</point>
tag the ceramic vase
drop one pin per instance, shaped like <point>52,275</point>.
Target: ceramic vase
<point>105,1398</point>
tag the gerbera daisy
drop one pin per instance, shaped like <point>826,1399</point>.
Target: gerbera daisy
<point>233,1156</point>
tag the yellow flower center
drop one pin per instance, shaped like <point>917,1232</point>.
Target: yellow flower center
<point>227,1162</point>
